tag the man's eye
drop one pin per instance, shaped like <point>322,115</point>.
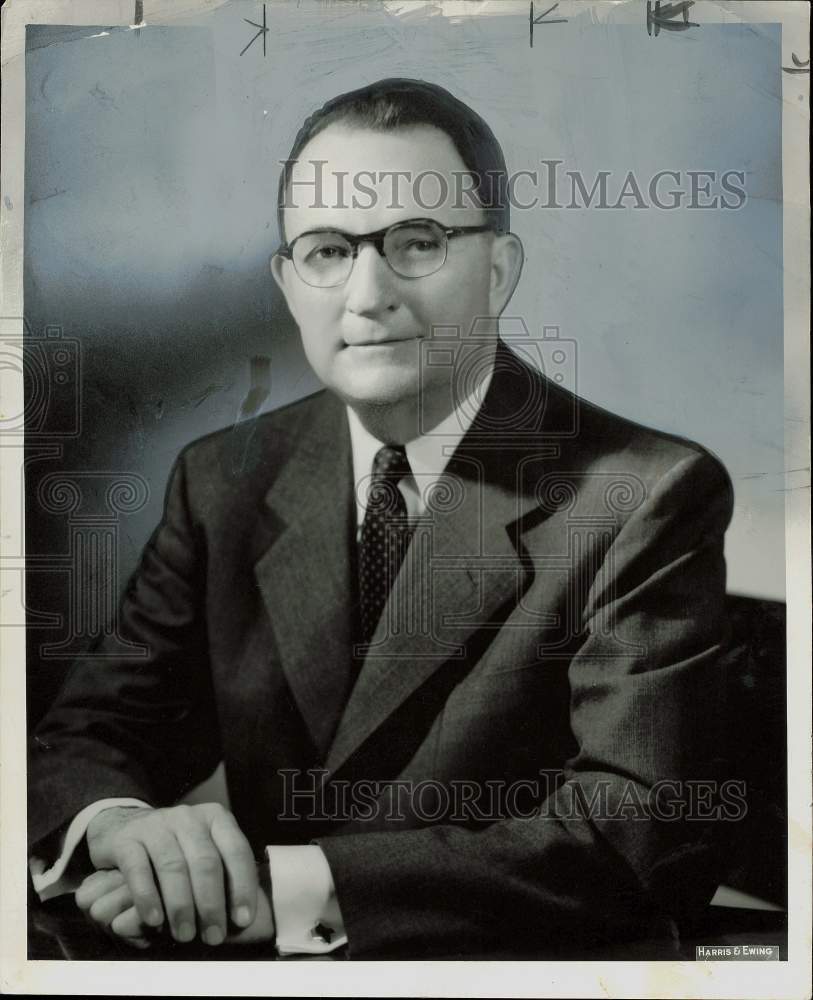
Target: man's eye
<point>421,246</point>
<point>328,253</point>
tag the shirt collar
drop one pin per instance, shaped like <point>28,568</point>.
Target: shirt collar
<point>428,455</point>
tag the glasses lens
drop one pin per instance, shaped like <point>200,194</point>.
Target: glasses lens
<point>323,259</point>
<point>416,249</point>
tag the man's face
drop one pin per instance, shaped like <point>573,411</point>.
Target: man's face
<point>362,337</point>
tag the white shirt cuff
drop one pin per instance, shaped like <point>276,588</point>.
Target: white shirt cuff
<point>54,881</point>
<point>303,900</point>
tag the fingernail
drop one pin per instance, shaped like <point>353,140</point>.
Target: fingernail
<point>242,916</point>
<point>213,935</point>
<point>186,932</point>
<point>154,918</point>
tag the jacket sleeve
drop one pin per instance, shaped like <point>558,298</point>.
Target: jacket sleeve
<point>139,727</point>
<point>618,841</point>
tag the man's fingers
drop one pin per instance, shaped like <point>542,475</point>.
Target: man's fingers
<point>128,927</point>
<point>241,870</point>
<point>97,885</point>
<point>172,872</point>
<point>105,909</point>
<point>134,863</point>
<point>207,878</point>
<point>181,863</point>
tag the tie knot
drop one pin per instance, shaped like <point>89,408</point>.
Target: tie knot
<point>391,463</point>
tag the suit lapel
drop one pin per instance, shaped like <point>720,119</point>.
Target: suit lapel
<point>305,574</point>
<point>441,597</point>
<point>462,571</point>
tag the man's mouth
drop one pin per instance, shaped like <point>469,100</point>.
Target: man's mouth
<point>380,341</point>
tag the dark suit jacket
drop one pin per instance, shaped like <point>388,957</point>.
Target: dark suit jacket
<point>558,623</point>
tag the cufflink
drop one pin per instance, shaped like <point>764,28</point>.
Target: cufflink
<point>321,932</point>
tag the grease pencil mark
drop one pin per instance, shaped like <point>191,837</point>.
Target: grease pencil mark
<point>44,197</point>
<point>262,29</point>
<point>799,66</point>
<point>540,19</point>
<point>665,17</point>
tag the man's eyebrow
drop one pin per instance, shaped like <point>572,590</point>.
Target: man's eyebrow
<point>371,232</point>
<point>323,229</point>
<point>336,231</point>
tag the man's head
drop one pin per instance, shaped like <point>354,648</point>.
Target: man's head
<point>393,152</point>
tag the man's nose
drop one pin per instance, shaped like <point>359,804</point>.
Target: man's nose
<point>370,289</point>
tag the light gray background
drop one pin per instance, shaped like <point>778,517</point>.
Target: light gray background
<point>151,169</point>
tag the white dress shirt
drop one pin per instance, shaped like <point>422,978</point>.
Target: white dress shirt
<point>302,889</point>
<point>427,455</point>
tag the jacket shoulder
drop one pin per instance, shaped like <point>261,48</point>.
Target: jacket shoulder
<point>604,438</point>
<point>629,466</point>
<point>252,438</point>
<point>585,437</point>
<point>231,469</point>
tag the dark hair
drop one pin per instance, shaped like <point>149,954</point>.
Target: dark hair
<point>400,103</point>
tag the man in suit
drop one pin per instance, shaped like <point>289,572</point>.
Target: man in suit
<point>454,633</point>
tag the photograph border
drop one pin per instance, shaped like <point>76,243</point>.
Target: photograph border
<point>415,978</point>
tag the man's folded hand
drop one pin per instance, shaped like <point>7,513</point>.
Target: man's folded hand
<point>105,899</point>
<point>199,857</point>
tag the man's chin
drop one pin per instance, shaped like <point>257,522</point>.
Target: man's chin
<point>378,381</point>
<point>379,393</point>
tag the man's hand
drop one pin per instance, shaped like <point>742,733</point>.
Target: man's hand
<point>104,897</point>
<point>200,857</point>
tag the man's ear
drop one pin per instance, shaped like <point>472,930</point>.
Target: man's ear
<point>507,255</point>
<point>281,275</point>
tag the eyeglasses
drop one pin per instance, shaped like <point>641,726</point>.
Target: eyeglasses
<point>415,248</point>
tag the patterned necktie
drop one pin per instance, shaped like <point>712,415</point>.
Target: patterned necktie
<point>385,535</point>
